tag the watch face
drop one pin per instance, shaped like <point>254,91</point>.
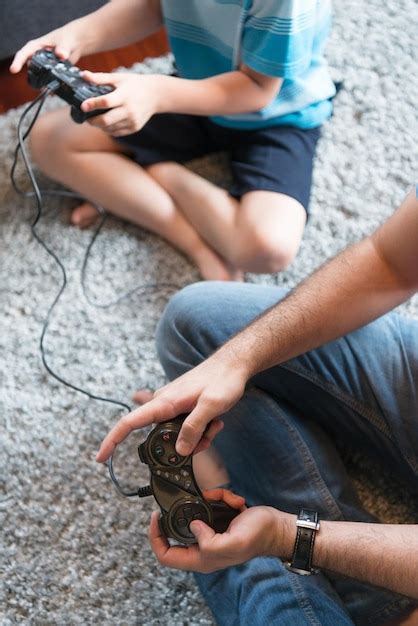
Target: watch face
<point>308,519</point>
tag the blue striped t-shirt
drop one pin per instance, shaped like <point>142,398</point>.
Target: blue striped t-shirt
<point>280,38</point>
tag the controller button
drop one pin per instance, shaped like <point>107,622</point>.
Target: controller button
<point>182,522</point>
<point>166,436</point>
<point>173,458</point>
<point>187,511</point>
<point>197,516</point>
<point>159,450</point>
<point>184,472</point>
<point>187,484</point>
<point>166,474</point>
<point>158,472</point>
<point>177,477</point>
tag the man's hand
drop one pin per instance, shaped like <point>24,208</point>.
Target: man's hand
<point>135,99</point>
<point>206,392</point>
<point>258,531</point>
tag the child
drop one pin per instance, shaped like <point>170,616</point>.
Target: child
<point>251,80</point>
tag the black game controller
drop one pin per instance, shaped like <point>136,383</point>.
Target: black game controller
<point>46,69</point>
<point>175,489</point>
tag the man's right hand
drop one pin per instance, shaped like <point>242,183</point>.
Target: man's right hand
<point>206,392</point>
<point>66,43</point>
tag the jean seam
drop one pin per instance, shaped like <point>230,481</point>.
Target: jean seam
<point>302,600</point>
<point>344,397</point>
<point>357,406</point>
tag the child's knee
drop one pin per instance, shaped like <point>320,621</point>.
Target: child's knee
<point>276,252</point>
<point>267,251</point>
<point>42,140</point>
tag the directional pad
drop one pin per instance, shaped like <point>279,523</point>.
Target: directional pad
<point>185,512</point>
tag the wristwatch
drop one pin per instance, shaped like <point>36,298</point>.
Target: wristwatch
<point>307,525</point>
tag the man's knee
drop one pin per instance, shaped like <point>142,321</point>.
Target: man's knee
<point>184,336</point>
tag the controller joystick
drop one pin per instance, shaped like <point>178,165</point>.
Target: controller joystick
<point>174,486</point>
<point>46,69</point>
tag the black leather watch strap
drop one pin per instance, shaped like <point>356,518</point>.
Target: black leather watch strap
<point>307,525</point>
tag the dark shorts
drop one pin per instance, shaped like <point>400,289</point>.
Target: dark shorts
<point>277,159</point>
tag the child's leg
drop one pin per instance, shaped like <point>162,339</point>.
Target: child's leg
<point>272,171</point>
<point>85,159</point>
<point>260,233</point>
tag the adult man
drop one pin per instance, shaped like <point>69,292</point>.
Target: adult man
<point>278,440</point>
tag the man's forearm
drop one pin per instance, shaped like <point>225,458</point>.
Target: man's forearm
<point>118,23</point>
<point>357,286</point>
<point>351,290</point>
<point>385,555</point>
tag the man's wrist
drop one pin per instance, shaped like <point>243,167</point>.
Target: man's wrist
<point>284,534</point>
<point>234,359</point>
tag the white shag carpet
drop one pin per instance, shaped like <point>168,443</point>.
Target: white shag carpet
<point>73,551</point>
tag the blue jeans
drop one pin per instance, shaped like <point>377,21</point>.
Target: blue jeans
<point>279,448</point>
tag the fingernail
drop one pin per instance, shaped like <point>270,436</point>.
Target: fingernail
<point>195,527</point>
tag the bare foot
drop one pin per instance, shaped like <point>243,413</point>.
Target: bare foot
<point>84,215</point>
<point>212,267</point>
<point>142,396</point>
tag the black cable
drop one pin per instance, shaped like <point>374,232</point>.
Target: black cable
<point>70,194</point>
<point>37,194</point>
<point>41,99</point>
<point>127,294</point>
<point>140,492</point>
<point>39,203</point>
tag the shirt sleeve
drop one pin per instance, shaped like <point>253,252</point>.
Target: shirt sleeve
<point>278,35</point>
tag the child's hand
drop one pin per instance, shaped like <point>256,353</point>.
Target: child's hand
<point>66,43</point>
<point>134,100</point>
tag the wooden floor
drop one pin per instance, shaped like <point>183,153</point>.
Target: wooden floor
<point>14,89</point>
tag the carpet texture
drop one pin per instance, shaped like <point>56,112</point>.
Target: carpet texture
<point>72,550</point>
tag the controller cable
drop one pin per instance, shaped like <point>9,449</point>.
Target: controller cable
<point>38,194</point>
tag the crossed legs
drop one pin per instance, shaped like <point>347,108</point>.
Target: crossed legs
<point>278,446</point>
<point>223,236</point>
